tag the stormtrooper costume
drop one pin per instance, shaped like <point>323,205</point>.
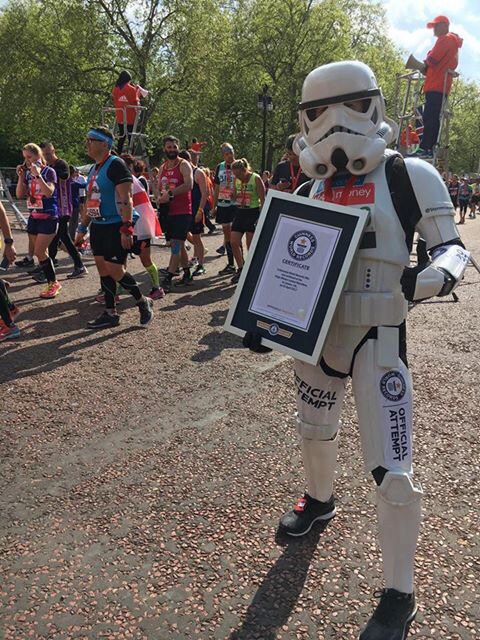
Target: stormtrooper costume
<point>343,148</point>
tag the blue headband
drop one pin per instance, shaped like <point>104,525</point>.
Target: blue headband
<point>98,135</point>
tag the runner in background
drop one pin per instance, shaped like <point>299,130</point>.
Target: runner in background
<point>288,174</point>
<point>175,201</point>
<point>249,194</point>
<point>65,210</point>
<point>210,189</point>
<point>145,228</point>
<point>8,310</point>
<point>223,201</point>
<point>199,210</point>
<point>37,182</point>
<point>464,195</point>
<point>453,186</point>
<point>126,97</point>
<point>475,199</point>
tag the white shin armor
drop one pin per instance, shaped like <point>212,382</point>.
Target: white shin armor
<point>320,461</point>
<point>399,517</point>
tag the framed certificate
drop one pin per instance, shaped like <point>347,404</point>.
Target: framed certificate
<point>295,273</point>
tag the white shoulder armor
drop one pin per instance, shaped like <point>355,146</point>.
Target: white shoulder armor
<point>437,224</point>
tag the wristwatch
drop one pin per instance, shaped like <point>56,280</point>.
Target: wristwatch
<point>8,240</point>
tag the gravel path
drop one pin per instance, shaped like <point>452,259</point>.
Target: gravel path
<point>143,472</point>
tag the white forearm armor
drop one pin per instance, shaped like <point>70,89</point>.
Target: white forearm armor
<point>443,274</point>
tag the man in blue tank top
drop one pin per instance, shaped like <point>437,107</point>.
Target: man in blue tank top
<point>109,212</point>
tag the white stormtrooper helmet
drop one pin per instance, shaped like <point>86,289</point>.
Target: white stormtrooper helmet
<point>342,120</point>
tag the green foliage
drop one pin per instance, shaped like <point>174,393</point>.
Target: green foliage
<point>465,128</point>
<point>204,62</point>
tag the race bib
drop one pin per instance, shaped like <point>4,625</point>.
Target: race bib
<point>244,199</point>
<point>93,204</point>
<point>34,200</point>
<point>225,192</point>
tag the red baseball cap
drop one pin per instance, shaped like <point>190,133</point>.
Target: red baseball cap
<point>438,20</point>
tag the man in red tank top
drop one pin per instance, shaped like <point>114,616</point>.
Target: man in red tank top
<point>175,184</point>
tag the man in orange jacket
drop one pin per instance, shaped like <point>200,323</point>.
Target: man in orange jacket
<point>442,58</point>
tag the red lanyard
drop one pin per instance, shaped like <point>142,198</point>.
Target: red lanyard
<point>294,177</point>
<point>328,191</point>
<point>94,176</point>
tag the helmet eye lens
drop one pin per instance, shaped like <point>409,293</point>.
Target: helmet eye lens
<point>313,114</point>
<point>361,106</point>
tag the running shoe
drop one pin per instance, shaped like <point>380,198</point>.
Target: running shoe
<point>157,293</point>
<point>212,232</point>
<point>8,332</point>
<point>393,616</point>
<point>199,270</point>
<point>305,514</point>
<point>51,290</point>
<point>167,285</point>
<point>100,298</point>
<point>39,277</point>
<point>145,307</point>
<point>221,250</point>
<point>164,271</point>
<point>226,270</point>
<point>236,277</point>
<point>26,262</point>
<point>184,281</point>
<point>104,320</point>
<point>193,262</point>
<point>37,269</point>
<point>78,272</point>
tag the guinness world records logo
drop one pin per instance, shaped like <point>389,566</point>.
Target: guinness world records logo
<point>302,245</point>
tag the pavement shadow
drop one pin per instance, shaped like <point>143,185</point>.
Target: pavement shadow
<point>277,596</point>
<point>40,310</point>
<point>202,292</point>
<point>40,357</point>
<point>216,342</point>
<point>218,318</point>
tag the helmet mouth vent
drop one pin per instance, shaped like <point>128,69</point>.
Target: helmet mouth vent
<point>337,129</point>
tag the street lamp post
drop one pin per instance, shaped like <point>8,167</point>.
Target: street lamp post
<point>264,102</point>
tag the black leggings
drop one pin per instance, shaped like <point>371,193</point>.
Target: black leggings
<point>5,305</point>
<point>63,236</point>
<point>122,136</point>
<point>463,205</point>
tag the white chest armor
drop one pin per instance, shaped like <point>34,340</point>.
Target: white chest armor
<point>372,294</point>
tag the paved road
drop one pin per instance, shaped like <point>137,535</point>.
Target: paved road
<point>144,470</point>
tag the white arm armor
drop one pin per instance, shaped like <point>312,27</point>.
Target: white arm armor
<point>443,274</point>
<point>437,228</point>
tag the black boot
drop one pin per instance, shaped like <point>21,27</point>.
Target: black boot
<point>393,616</point>
<point>305,513</point>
